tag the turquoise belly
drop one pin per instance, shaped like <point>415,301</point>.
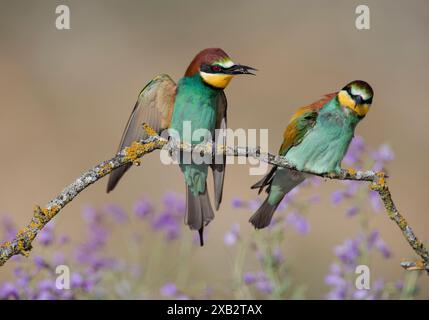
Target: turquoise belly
<point>324,147</point>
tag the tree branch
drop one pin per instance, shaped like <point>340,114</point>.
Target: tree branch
<point>22,244</point>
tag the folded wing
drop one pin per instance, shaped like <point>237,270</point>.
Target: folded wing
<point>154,107</point>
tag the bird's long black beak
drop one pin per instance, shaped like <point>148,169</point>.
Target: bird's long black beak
<point>240,69</point>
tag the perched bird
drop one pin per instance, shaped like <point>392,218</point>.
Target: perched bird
<point>198,99</point>
<point>316,140</point>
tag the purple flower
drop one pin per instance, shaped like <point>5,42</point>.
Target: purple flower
<point>339,293</point>
<point>163,220</point>
<point>168,290</point>
<point>383,248</point>
<point>354,153</point>
<point>348,252</point>
<point>372,239</point>
<point>264,286</point>
<point>253,205</point>
<point>9,290</point>
<point>351,187</point>
<point>63,239</point>
<point>142,208</point>
<point>174,203</point>
<point>337,196</point>
<point>45,295</point>
<point>231,237</point>
<point>40,262</point>
<point>382,155</point>
<point>334,280</point>
<point>116,212</point>
<point>58,258</point>
<point>298,222</point>
<point>237,202</point>
<point>352,211</point>
<point>278,256</point>
<point>46,235</point>
<point>375,201</point>
<point>76,280</point>
<point>90,215</point>
<point>172,232</point>
<point>249,278</point>
<point>9,228</point>
<point>360,294</point>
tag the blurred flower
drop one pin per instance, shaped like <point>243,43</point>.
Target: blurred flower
<point>237,202</point>
<point>118,214</point>
<point>298,222</point>
<point>352,211</point>
<point>348,252</point>
<point>264,286</point>
<point>382,155</point>
<point>253,205</point>
<point>249,278</point>
<point>337,196</point>
<point>9,228</point>
<point>168,290</point>
<point>354,153</point>
<point>174,203</point>
<point>8,290</point>
<point>231,237</point>
<point>40,262</point>
<point>46,235</point>
<point>375,201</point>
<point>142,208</point>
<point>90,215</point>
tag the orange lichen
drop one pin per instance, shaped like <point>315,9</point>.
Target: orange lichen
<point>137,149</point>
<point>51,212</point>
<point>381,179</point>
<point>351,171</point>
<point>149,130</point>
<point>105,169</point>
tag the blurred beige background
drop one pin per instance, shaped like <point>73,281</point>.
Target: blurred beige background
<point>65,97</point>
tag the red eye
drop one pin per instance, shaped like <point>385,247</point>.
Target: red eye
<point>216,68</point>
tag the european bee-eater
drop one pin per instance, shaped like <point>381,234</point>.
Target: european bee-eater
<point>316,140</point>
<point>199,99</point>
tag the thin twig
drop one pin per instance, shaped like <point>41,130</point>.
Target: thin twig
<point>22,243</point>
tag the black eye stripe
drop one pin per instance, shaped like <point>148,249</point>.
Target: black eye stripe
<point>358,98</point>
<point>212,68</point>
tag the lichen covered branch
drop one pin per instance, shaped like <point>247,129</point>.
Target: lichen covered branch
<point>22,243</point>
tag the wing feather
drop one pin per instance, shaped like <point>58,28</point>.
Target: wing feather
<point>303,120</point>
<point>154,106</point>
<point>219,162</point>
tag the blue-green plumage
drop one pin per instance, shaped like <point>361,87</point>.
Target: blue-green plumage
<point>316,140</point>
<point>195,104</point>
<point>193,108</point>
<point>325,145</point>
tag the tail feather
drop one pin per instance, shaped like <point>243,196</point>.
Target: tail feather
<point>278,183</point>
<point>265,181</point>
<point>115,176</point>
<point>262,217</point>
<point>199,211</point>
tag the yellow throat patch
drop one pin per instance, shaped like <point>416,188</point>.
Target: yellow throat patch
<point>347,101</point>
<point>217,80</point>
